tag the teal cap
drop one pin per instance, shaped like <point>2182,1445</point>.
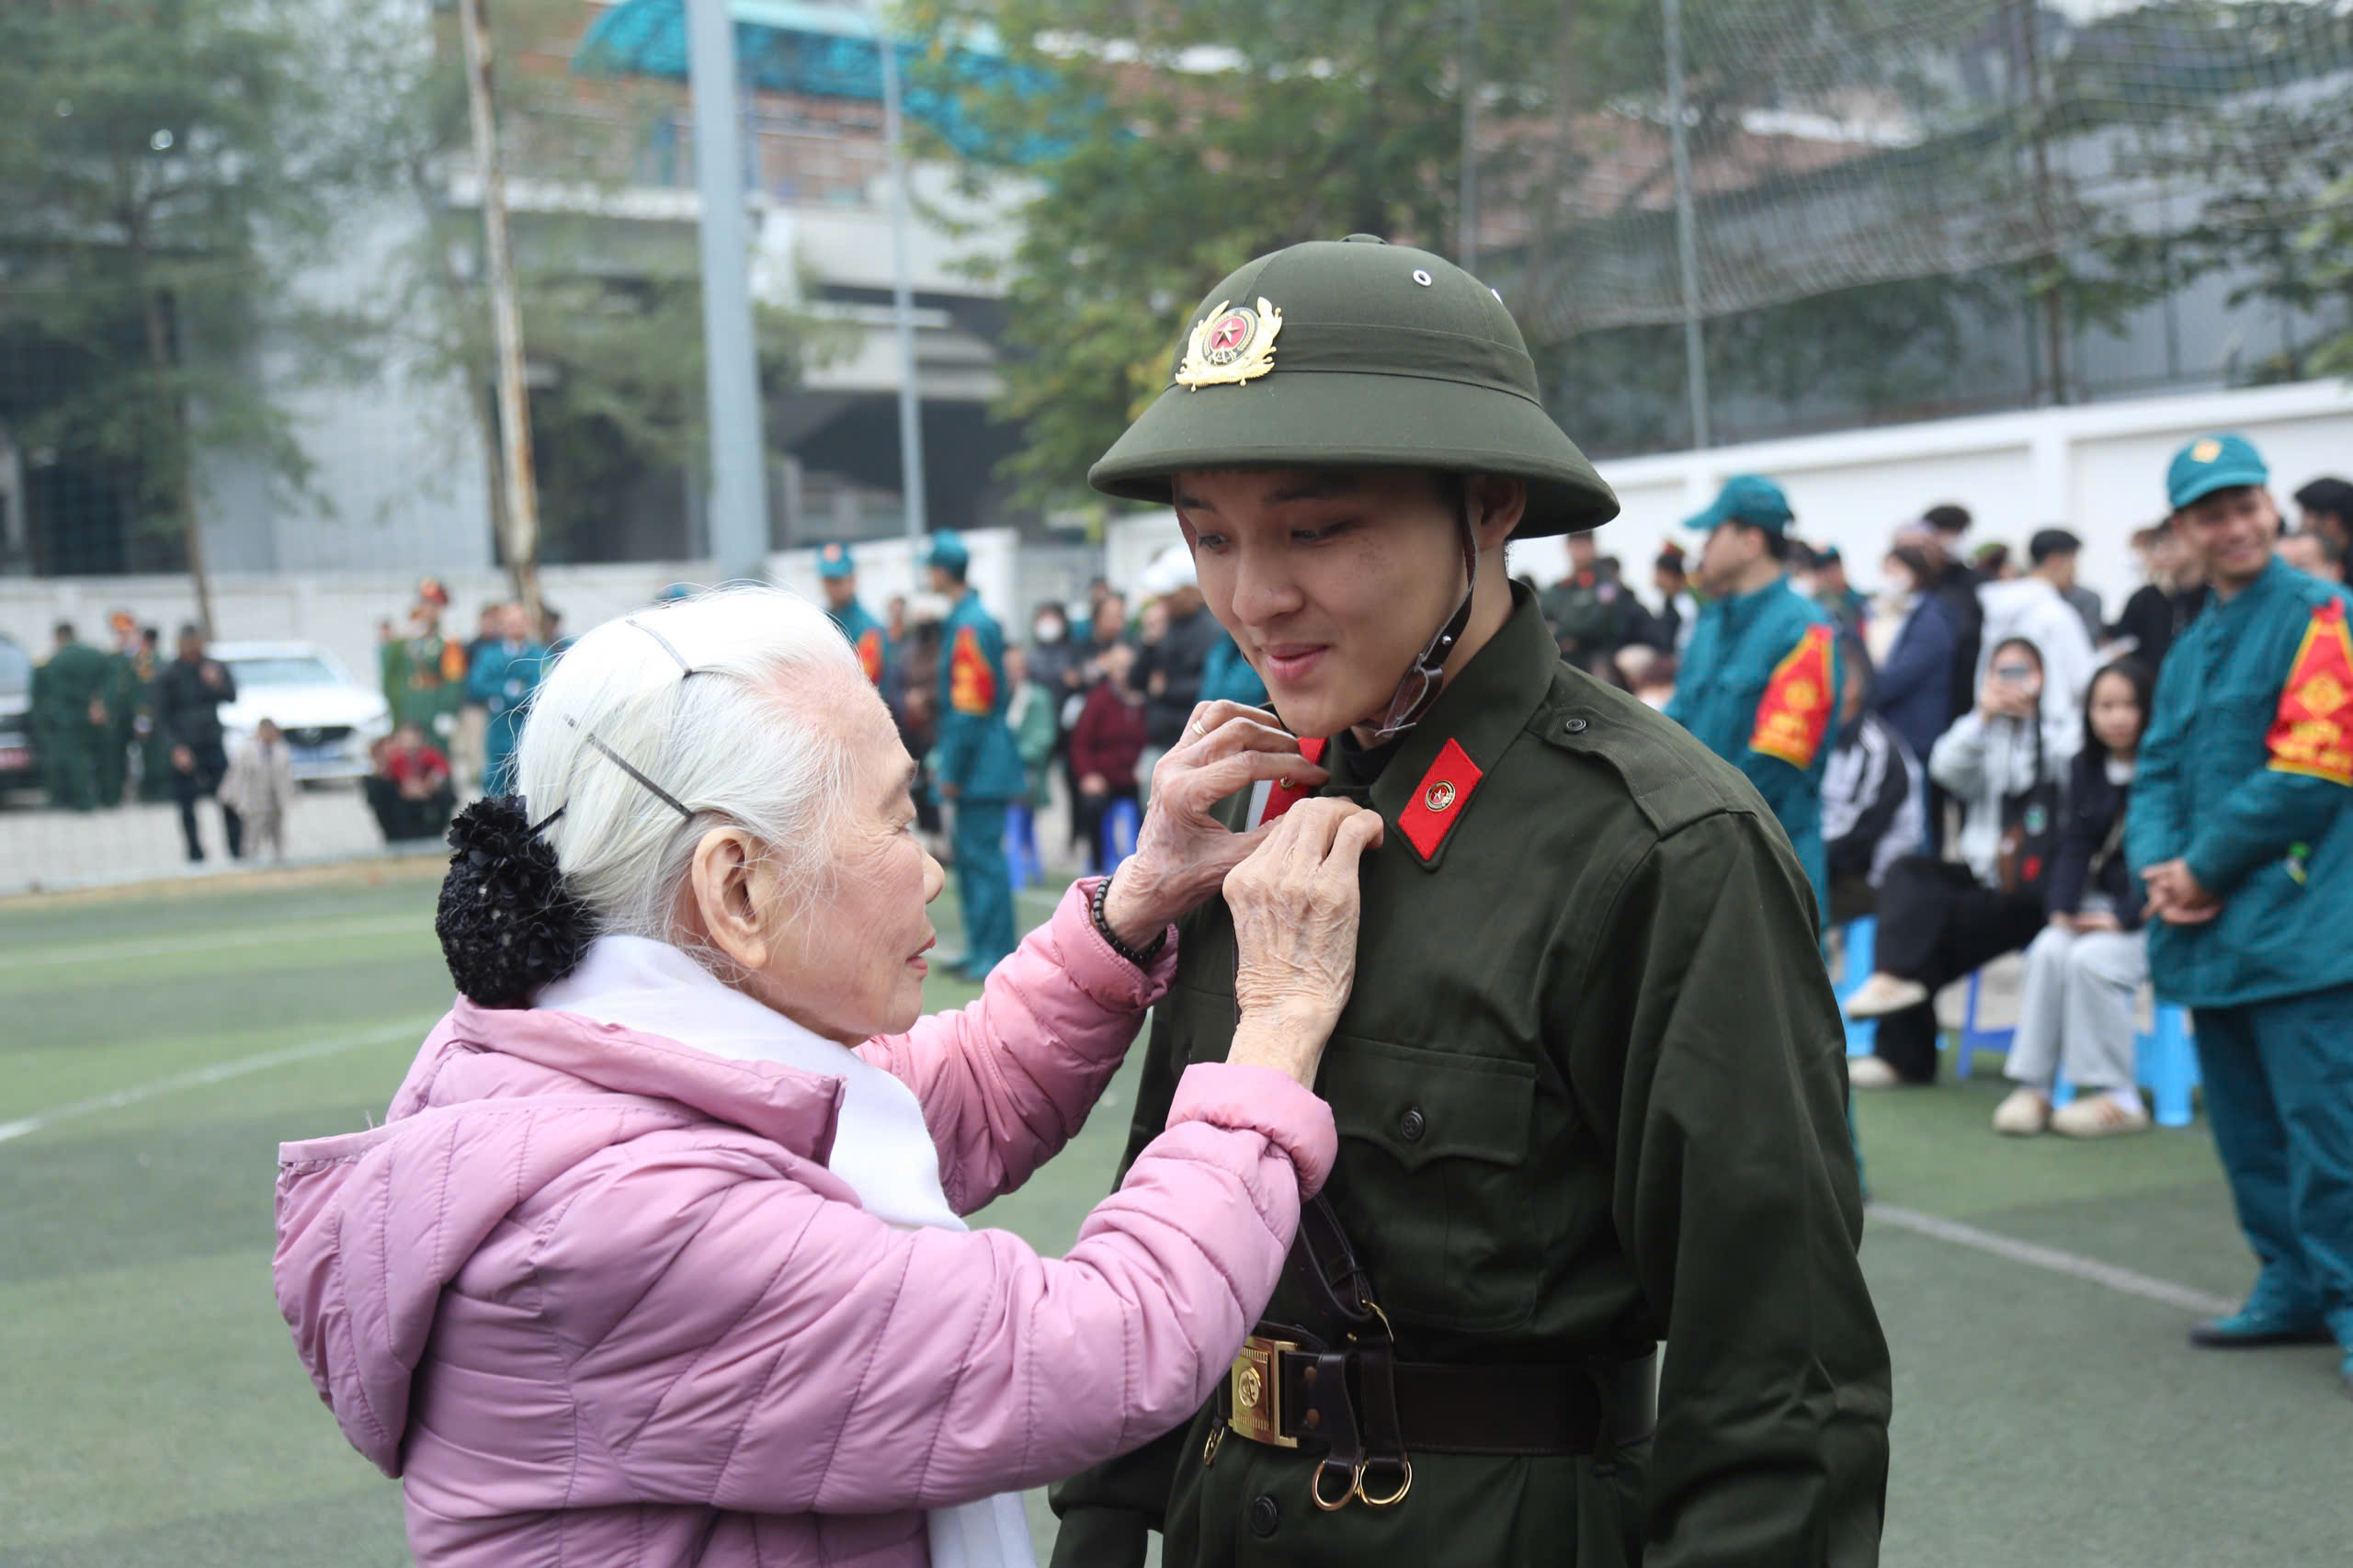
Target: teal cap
<point>1750,498</point>
<point>2220,461</point>
<point>948,550</point>
<point>833,563</point>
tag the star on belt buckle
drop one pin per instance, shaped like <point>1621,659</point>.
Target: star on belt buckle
<point>1256,1403</point>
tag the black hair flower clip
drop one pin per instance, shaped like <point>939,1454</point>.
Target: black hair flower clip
<point>507,923</point>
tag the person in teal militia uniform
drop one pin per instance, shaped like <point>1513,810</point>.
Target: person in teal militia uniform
<point>975,762</point>
<point>1759,683</point>
<point>2241,824</point>
<point>839,574</point>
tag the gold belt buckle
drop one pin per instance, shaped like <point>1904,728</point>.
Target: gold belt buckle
<point>1256,1402</point>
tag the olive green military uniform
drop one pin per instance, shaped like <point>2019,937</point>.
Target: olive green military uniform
<point>72,722</point>
<point>124,690</point>
<point>1589,1085</point>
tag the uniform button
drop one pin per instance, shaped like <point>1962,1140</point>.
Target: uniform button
<point>1412,1125</point>
<point>1573,726</point>
<point>1265,1515</point>
<point>1364,240</point>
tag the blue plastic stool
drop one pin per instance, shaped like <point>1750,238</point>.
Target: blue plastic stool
<point>1021,847</point>
<point>2164,1063</point>
<point>1974,1039</point>
<point>1860,938</point>
<point>1121,823</point>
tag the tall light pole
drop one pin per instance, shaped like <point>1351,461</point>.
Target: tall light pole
<point>902,293</point>
<point>1466,243</point>
<point>1687,235</point>
<point>738,506</point>
<point>505,321</point>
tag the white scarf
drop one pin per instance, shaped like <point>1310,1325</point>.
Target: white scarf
<point>882,1147</point>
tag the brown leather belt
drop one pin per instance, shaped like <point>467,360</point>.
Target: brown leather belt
<point>1450,1409</point>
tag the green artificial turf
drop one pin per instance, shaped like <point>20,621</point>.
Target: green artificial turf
<point>152,1410</point>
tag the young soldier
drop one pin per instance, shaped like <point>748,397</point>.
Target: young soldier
<point>72,723</point>
<point>1590,1083</point>
<point>1759,681</point>
<point>838,575</point>
<point>2242,828</point>
<point>975,762</point>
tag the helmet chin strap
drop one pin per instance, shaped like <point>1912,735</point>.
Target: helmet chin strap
<point>1418,690</point>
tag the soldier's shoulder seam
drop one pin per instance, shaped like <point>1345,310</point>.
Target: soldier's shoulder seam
<point>1668,775</point>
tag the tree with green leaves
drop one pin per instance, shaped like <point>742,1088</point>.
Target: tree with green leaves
<point>1170,143</point>
<point>610,310</point>
<point>166,167</point>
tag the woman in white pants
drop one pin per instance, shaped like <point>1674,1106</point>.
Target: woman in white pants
<point>2083,973</point>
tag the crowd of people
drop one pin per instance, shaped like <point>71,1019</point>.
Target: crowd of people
<point>1982,764</point>
<point>457,707</point>
<point>1968,786</point>
<point>1093,698</point>
<point>111,725</point>
<point>1480,981</point>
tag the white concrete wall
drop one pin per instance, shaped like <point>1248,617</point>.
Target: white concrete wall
<point>2098,470</point>
<point>1129,545</point>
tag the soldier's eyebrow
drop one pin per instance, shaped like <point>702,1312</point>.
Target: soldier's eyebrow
<point>904,786</point>
<point>1322,486</point>
<point>1319,487</point>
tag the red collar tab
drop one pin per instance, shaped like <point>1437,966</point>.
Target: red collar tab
<point>1275,797</point>
<point>1438,799</point>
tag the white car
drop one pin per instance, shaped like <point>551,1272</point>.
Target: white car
<point>329,720</point>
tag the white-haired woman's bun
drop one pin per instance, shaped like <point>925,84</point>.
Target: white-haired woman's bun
<point>720,703</point>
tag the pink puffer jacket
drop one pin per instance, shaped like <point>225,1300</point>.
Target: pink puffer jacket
<point>595,1298</point>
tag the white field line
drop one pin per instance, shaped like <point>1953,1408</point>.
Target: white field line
<point>219,1072</point>
<point>259,936</point>
<point>2076,1267</point>
<point>251,936</point>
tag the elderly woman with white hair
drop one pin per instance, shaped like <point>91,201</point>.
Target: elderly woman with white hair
<point>658,1258</point>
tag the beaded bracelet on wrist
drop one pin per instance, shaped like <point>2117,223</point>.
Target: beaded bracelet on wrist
<point>1140,959</point>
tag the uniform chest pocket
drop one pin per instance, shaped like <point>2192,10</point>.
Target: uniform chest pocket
<point>1435,1182</point>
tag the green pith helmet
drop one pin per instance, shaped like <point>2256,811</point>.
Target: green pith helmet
<point>1356,353</point>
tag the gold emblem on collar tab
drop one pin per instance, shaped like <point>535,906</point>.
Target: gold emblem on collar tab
<point>1231,346</point>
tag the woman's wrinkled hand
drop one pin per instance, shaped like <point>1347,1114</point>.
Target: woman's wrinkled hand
<point>1296,908</point>
<point>1182,852</point>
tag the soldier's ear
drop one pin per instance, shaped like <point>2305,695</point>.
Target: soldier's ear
<point>1498,502</point>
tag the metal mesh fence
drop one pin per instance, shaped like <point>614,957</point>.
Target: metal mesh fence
<point>1833,145</point>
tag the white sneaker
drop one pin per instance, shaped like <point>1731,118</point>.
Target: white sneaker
<point>1884,994</point>
<point>1872,1073</point>
<point>2097,1116</point>
<point>2022,1114</point>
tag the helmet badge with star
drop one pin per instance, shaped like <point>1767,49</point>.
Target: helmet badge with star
<point>1231,347</point>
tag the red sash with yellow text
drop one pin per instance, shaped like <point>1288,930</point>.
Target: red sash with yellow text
<point>1795,713</point>
<point>2313,733</point>
<point>971,683</point>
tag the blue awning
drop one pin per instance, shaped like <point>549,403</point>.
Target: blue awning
<point>793,46</point>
